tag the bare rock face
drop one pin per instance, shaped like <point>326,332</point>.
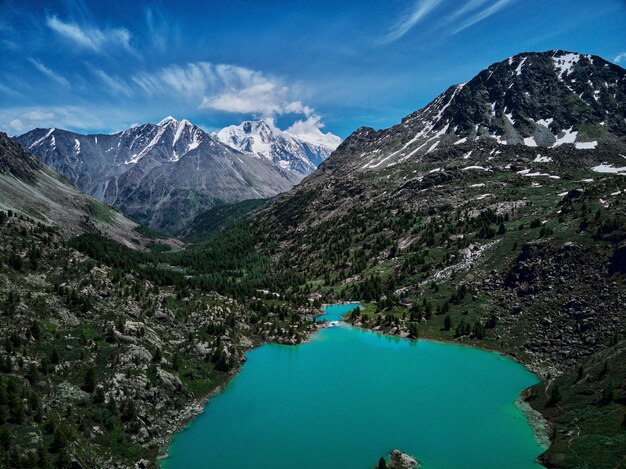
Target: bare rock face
<point>14,160</point>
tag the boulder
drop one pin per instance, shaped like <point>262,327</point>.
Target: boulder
<point>399,460</point>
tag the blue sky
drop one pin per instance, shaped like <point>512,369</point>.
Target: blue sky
<point>104,66</point>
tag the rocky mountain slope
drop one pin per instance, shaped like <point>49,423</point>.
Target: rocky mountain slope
<point>163,175</point>
<point>300,154</point>
<point>218,218</point>
<point>30,188</point>
<point>495,216</point>
<point>539,100</point>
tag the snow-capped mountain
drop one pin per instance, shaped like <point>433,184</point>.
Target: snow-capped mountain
<point>300,152</point>
<point>161,174</point>
<point>544,100</point>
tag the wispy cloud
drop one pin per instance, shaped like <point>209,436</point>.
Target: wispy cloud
<point>467,8</point>
<point>453,18</point>
<point>89,37</point>
<point>8,44</point>
<point>410,19</point>
<point>620,58</point>
<point>480,15</point>
<point>163,32</point>
<point>50,73</point>
<point>225,88</point>
<point>198,87</point>
<point>9,91</point>
<point>189,80</point>
<point>116,85</point>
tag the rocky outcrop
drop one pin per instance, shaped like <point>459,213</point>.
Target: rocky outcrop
<point>14,160</point>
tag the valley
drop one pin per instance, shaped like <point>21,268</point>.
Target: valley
<point>494,217</point>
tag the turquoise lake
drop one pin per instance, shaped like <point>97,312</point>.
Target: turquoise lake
<point>349,396</point>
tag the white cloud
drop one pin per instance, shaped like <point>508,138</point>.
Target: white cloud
<point>17,125</point>
<point>184,90</point>
<point>410,19</point>
<point>245,91</point>
<point>620,58</point>
<point>162,31</point>
<point>469,6</point>
<point>90,37</point>
<point>310,131</point>
<point>481,15</point>
<point>190,81</point>
<point>309,125</point>
<point>49,73</point>
<point>38,114</point>
<point>265,99</point>
<point>9,91</point>
<point>450,22</point>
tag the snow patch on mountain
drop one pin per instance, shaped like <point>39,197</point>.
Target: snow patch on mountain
<point>586,145</point>
<point>569,136</point>
<point>609,168</point>
<point>565,63</point>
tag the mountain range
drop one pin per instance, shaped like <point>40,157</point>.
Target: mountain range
<point>164,175</point>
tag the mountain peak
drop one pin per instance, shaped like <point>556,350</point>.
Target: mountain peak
<point>260,125</point>
<point>167,120</point>
<point>160,174</point>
